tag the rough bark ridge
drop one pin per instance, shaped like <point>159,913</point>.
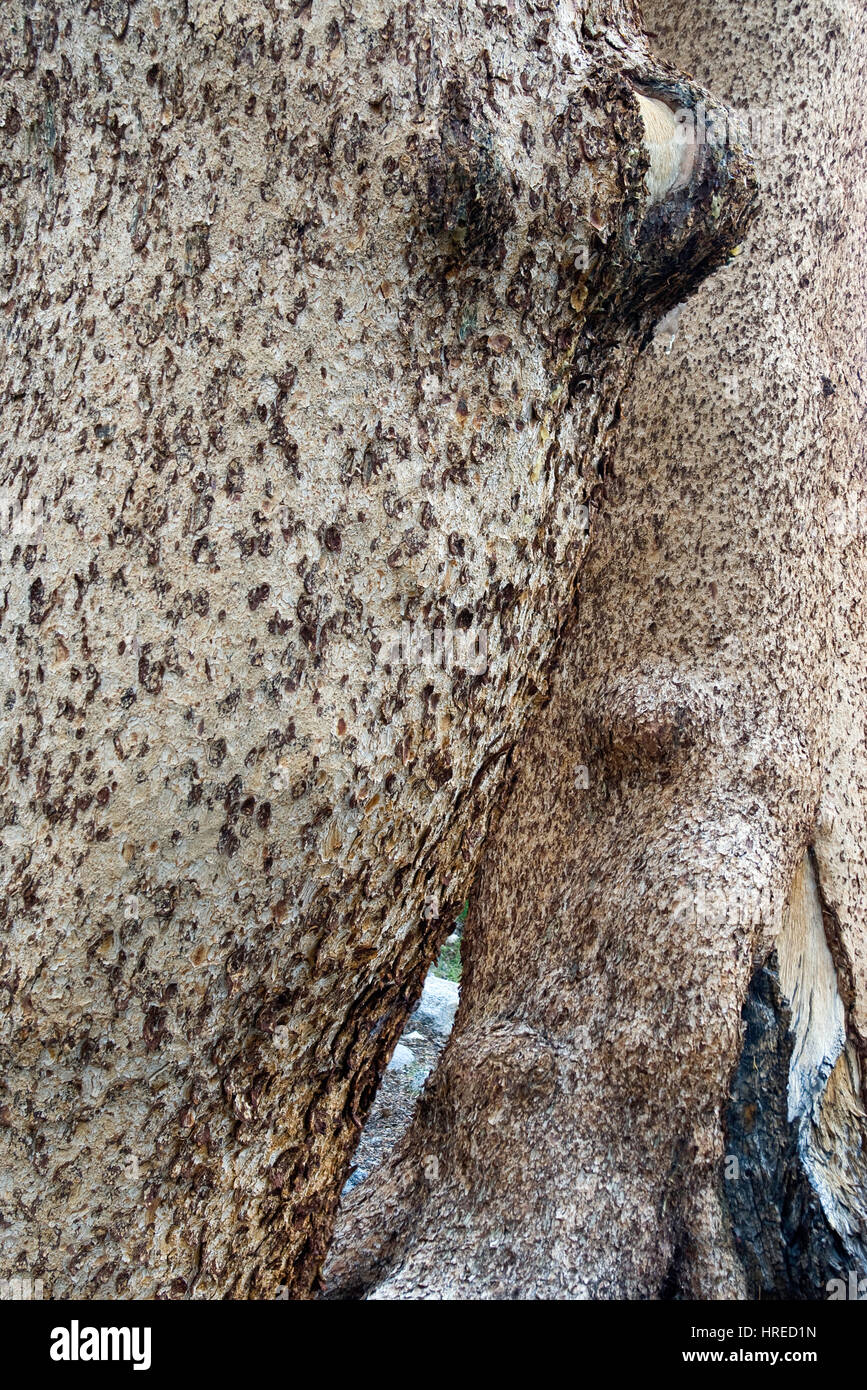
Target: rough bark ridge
<point>706,727</point>
<point>315,320</point>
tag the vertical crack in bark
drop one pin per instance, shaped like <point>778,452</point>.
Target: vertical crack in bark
<point>795,1123</point>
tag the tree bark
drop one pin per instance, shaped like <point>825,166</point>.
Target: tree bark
<point>682,840</point>
<point>316,321</point>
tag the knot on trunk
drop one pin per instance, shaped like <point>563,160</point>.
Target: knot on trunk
<point>700,192</point>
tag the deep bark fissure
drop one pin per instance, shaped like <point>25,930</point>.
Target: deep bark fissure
<point>784,1240</point>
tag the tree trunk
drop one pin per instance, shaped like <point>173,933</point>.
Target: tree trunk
<point>315,325</point>
<point>654,1084</point>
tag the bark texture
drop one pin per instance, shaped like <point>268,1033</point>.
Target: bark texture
<point>692,797</point>
<point>315,321</point>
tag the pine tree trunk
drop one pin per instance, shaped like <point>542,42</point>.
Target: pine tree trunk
<point>315,323</point>
<point>654,1085</point>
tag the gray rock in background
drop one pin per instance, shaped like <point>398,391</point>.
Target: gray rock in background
<point>401,1058</point>
<point>435,1011</point>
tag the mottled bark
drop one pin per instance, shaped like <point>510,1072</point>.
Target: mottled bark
<point>703,744</point>
<point>315,321</point>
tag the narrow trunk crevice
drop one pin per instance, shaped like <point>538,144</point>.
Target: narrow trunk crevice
<point>795,1163</point>
<point>784,1241</point>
